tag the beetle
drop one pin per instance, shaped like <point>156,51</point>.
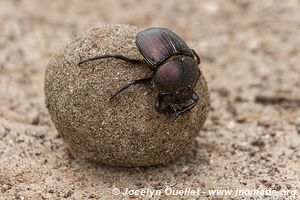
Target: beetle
<point>174,65</point>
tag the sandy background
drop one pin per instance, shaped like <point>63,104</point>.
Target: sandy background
<point>250,56</point>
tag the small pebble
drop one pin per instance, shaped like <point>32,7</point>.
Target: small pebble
<point>51,191</point>
<point>68,193</point>
<point>277,187</point>
<point>185,169</point>
<point>3,189</point>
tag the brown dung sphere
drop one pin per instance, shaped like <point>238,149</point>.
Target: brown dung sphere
<point>127,130</point>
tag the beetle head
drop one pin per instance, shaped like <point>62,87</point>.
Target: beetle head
<point>177,77</point>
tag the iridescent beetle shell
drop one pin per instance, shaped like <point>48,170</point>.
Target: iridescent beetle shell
<point>158,44</point>
<point>173,58</point>
<point>181,72</point>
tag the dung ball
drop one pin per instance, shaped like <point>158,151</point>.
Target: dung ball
<point>124,131</point>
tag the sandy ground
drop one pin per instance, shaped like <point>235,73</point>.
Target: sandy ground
<point>250,56</point>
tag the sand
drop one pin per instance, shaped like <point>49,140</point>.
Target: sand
<point>250,57</point>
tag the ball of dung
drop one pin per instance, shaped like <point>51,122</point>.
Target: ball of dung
<point>127,130</point>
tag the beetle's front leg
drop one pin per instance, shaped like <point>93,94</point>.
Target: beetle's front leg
<point>157,104</point>
<point>179,112</point>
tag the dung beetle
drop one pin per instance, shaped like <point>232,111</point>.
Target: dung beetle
<point>174,65</point>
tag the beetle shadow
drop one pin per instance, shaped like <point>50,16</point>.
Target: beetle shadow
<point>193,162</point>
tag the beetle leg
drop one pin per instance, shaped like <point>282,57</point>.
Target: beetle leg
<point>196,56</point>
<point>195,98</point>
<point>157,104</point>
<point>130,83</point>
<point>120,57</point>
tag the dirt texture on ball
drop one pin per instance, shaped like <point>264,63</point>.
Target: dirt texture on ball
<point>125,131</point>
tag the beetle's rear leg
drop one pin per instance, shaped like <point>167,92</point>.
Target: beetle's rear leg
<point>130,83</point>
<point>195,98</point>
<point>120,57</point>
